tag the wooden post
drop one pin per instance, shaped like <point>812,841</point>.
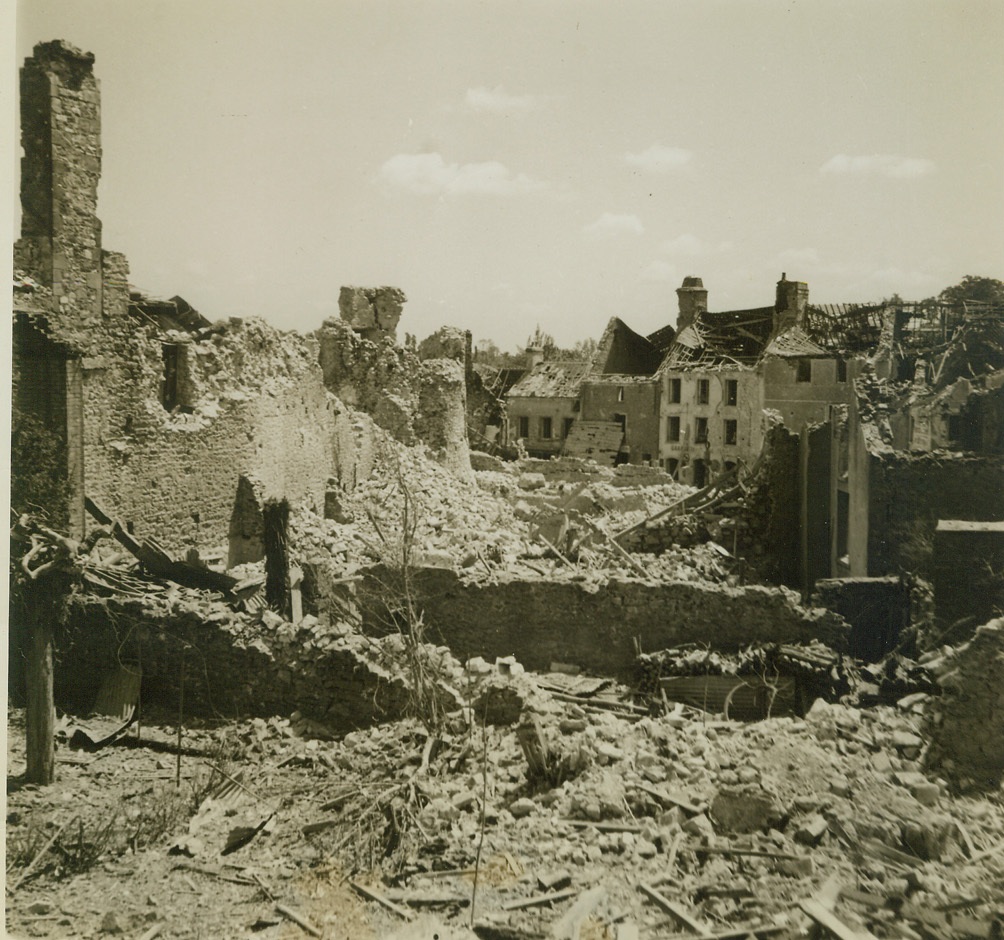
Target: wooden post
<point>40,713</point>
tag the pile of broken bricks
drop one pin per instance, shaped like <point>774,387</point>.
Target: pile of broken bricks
<point>685,824</point>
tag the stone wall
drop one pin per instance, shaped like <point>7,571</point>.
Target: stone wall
<point>907,495</point>
<point>229,666</point>
<point>595,626</point>
<point>413,400</point>
<point>163,422</point>
<point>967,737</point>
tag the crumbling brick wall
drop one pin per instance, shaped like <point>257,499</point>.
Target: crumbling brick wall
<point>967,736</point>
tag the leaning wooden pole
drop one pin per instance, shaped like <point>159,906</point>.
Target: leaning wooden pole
<point>40,713</point>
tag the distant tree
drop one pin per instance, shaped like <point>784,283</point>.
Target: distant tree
<point>972,288</point>
<point>584,350</point>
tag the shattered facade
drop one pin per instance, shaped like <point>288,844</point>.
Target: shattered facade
<point>186,428</point>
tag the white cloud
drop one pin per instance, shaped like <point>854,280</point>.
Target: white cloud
<point>429,173</point>
<point>797,256</point>
<point>660,272</point>
<point>498,101</point>
<point>659,159</point>
<point>613,223</point>
<point>689,245</point>
<point>881,164</point>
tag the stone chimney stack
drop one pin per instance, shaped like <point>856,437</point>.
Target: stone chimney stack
<point>790,303</point>
<point>60,242</point>
<point>534,356</point>
<point>693,299</point>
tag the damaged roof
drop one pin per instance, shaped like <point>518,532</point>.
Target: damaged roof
<point>622,351</point>
<point>738,336</point>
<point>173,314</point>
<point>554,379</point>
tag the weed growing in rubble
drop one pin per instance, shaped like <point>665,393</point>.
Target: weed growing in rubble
<point>398,604</point>
<point>81,844</point>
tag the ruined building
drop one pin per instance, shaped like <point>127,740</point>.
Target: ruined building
<point>692,399</point>
<point>187,429</point>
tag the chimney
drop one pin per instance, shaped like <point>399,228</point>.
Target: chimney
<point>534,356</point>
<point>790,303</point>
<point>693,299</point>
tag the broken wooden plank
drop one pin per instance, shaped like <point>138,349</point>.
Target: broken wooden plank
<point>677,910</point>
<point>372,895</point>
<point>536,900</point>
<point>417,899</point>
<point>889,854</point>
<point>602,826</point>
<point>829,921</point>
<point>603,703</point>
<point>749,853</point>
<point>154,931</point>
<point>319,826</point>
<point>158,562</point>
<point>738,933</point>
<point>692,809</point>
<point>297,918</point>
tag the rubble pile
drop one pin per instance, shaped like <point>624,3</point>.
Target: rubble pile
<point>665,825</point>
<point>968,722</point>
<point>409,509</point>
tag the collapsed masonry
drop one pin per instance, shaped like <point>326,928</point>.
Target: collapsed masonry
<point>196,434</point>
<point>190,428</point>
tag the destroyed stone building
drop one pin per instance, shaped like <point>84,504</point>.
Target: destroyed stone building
<point>692,399</point>
<point>303,613</point>
<point>189,428</point>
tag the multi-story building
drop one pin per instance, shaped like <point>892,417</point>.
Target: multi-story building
<point>544,404</point>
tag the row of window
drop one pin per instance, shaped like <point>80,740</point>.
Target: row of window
<point>730,430</point>
<point>704,391</point>
<point>545,427</point>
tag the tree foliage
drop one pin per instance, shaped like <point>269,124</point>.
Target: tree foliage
<point>974,288</point>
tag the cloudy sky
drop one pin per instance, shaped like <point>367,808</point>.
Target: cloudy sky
<point>513,163</point>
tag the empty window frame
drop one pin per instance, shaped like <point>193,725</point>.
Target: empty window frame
<point>673,428</point>
<point>523,425</point>
<point>841,370</point>
<point>732,391</point>
<point>566,426</point>
<point>701,430</point>
<point>545,429</point>
<point>675,386</point>
<point>620,393</point>
<point>803,370</point>
<point>673,466</point>
<point>703,391</point>
<point>731,431</point>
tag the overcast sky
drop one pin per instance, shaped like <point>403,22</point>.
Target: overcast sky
<point>514,163</point>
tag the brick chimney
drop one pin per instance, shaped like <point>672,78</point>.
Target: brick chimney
<point>60,242</point>
<point>693,299</point>
<point>790,303</point>
<point>534,356</point>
